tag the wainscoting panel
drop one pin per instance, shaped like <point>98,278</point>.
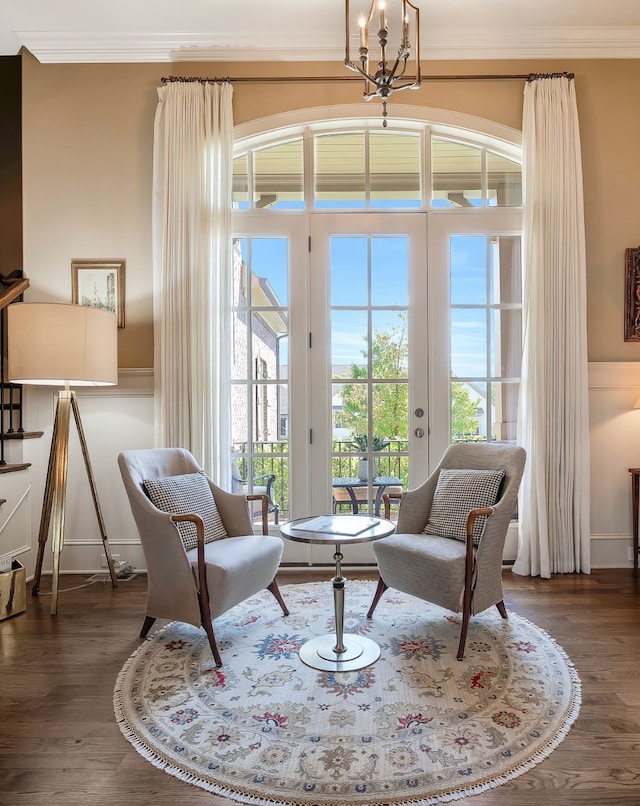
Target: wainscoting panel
<point>614,388</point>
<point>120,418</point>
<point>114,419</point>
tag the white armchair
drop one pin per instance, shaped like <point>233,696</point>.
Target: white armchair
<point>447,551</point>
<point>201,553</point>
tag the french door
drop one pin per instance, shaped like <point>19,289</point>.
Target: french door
<point>269,365</point>
<point>352,334</point>
<point>368,347</point>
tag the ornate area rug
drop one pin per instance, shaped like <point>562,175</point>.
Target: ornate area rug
<point>416,727</point>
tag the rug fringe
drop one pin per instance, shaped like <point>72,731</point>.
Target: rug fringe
<point>446,796</point>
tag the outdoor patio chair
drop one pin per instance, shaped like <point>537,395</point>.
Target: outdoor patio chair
<point>240,486</point>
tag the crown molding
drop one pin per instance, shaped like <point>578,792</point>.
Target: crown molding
<point>440,43</point>
<point>92,47</point>
<point>533,43</point>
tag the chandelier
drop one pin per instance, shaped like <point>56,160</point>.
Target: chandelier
<point>391,73</point>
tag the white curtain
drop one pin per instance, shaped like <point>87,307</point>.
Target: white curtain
<point>553,423</point>
<point>192,257</point>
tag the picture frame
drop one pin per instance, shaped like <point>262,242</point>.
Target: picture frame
<point>99,284</point>
<point>632,294</point>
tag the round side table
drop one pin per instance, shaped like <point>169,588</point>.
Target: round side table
<point>338,652</point>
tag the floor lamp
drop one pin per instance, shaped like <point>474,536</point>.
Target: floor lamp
<point>55,344</point>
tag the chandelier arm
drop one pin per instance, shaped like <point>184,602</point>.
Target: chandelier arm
<point>394,75</point>
<point>347,53</point>
<point>403,71</point>
<point>369,95</point>
<point>357,69</point>
<point>371,12</point>
<point>412,86</point>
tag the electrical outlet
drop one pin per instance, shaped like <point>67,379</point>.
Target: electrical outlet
<point>105,564</point>
<point>630,555</point>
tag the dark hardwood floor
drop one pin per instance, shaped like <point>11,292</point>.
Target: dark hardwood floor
<point>59,742</point>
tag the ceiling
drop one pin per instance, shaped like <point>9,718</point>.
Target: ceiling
<point>309,30</point>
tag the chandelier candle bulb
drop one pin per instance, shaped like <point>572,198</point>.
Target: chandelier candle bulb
<point>363,32</point>
<point>383,20</point>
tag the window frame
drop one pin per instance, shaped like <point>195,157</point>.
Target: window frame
<point>252,222</point>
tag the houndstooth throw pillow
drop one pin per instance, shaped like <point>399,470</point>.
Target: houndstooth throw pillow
<point>457,493</point>
<point>188,494</point>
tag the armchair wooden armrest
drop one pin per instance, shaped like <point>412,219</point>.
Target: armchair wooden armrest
<point>202,574</point>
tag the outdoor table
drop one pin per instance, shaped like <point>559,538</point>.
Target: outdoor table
<point>380,484</point>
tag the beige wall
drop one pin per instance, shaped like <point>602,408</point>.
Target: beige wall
<point>87,138</point>
<point>87,161</point>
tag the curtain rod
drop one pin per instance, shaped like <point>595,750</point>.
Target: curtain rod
<point>325,79</point>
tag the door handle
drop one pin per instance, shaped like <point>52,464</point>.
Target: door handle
<point>419,432</point>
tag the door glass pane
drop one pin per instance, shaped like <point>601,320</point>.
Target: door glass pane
<point>349,277</point>
<point>504,181</point>
<point>390,357</point>
<point>394,168</point>
<point>506,343</point>
<point>506,269</point>
<point>278,176</point>
<point>350,407</point>
<point>268,330</point>
<point>370,419</point>
<point>349,344</point>
<point>468,343</point>
<point>456,171</point>
<point>390,416</point>
<point>468,411</point>
<point>340,170</point>
<point>486,336</point>
<point>239,417</point>
<point>468,270</point>
<point>344,463</point>
<point>389,267</point>
<point>268,262</point>
<point>239,365</point>
<point>504,410</point>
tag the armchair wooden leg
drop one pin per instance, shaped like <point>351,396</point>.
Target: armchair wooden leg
<point>382,587</point>
<point>502,609</point>
<point>275,590</point>
<point>205,617</point>
<point>463,635</point>
<point>466,614</point>
<point>208,628</point>
<point>148,624</point>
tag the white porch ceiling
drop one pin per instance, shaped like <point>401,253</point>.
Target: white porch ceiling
<point>309,30</point>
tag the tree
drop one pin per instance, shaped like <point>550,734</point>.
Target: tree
<point>390,405</point>
<point>464,411</point>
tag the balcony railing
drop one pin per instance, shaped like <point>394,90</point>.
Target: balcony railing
<point>273,457</point>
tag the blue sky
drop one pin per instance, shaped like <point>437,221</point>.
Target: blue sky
<point>389,286</point>
<point>468,256</point>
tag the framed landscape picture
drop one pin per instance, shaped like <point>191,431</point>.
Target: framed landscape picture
<point>99,284</point>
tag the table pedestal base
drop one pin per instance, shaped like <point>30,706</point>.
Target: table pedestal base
<point>319,653</point>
